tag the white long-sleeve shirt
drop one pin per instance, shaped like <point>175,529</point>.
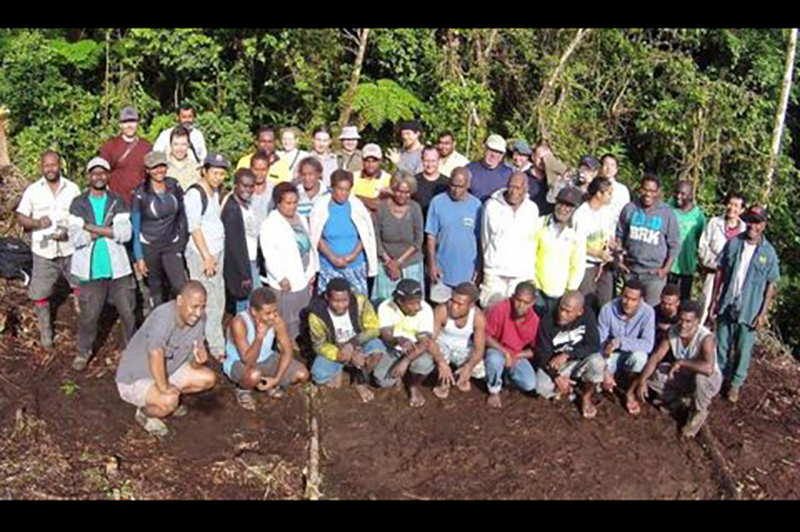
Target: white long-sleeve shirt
<point>195,137</point>
<point>507,237</point>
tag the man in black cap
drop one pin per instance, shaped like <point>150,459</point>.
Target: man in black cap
<point>125,154</point>
<point>748,271</point>
<point>410,156</point>
<point>588,169</point>
<point>406,330</point>
<point>559,251</point>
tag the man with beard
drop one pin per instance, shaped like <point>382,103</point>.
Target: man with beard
<point>44,210</point>
<point>197,142</point>
<point>125,153</point>
<point>691,222</point>
<point>99,228</point>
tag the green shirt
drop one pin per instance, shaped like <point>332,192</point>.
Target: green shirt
<point>101,260</point>
<point>691,226</point>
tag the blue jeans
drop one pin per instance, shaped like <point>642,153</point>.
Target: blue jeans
<point>244,304</point>
<point>631,362</point>
<point>324,370</point>
<point>521,374</point>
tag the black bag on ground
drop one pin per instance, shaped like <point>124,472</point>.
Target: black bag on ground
<point>16,259</point>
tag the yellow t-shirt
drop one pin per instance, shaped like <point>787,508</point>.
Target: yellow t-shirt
<point>370,187</point>
<point>278,171</point>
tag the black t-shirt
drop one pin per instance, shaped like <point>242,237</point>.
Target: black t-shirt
<point>426,190</point>
<point>663,324</point>
<point>537,189</point>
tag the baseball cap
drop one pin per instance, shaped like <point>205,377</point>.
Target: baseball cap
<point>521,146</point>
<point>155,158</point>
<point>349,133</point>
<point>128,114</point>
<point>98,161</point>
<point>590,161</point>
<point>570,196</point>
<point>496,143</point>
<point>408,288</point>
<point>755,214</point>
<point>216,160</point>
<point>371,150</point>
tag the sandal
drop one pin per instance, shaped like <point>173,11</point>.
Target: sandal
<point>589,411</point>
<point>633,408</point>
<point>245,400</point>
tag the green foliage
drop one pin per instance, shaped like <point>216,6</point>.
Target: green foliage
<point>384,101</point>
<point>684,103</point>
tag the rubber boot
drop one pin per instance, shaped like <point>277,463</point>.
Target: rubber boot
<point>45,326</point>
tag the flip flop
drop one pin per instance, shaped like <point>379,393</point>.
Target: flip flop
<point>590,412</point>
<point>633,408</point>
<point>442,392</point>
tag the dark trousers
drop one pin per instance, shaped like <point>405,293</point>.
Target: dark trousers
<point>163,264</point>
<point>684,282</point>
<point>597,290</point>
<point>93,297</point>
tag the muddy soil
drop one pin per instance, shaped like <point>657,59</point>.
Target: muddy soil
<point>64,435</point>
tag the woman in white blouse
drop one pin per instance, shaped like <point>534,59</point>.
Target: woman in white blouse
<point>290,259</point>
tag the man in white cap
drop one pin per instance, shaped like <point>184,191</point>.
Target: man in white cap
<point>450,158</point>
<point>44,210</point>
<point>100,225</point>
<point>490,174</point>
<point>350,157</point>
<point>125,154</point>
<point>371,184</point>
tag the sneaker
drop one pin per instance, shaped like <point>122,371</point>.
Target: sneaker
<point>181,411</point>
<point>733,394</point>
<point>80,362</point>
<point>694,424</point>
<point>152,425</point>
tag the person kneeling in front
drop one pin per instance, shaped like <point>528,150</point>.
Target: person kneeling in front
<point>692,369</point>
<point>166,359</point>
<point>250,358</point>
<point>344,332</point>
<point>406,329</point>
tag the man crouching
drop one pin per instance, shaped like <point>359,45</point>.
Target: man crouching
<point>165,359</point>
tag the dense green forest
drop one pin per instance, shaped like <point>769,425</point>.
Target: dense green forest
<point>684,103</point>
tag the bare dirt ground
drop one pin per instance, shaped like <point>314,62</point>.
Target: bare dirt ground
<point>64,435</point>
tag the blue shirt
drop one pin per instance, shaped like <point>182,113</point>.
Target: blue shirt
<point>232,354</point>
<point>340,234</point>
<point>455,225</point>
<point>636,334</point>
<point>486,181</point>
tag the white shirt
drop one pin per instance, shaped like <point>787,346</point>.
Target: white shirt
<point>744,265</point>
<point>251,231</point>
<point>620,198</point>
<point>451,162</point>
<point>507,237</point>
<point>195,137</point>
<point>39,200</point>
<point>597,226</point>
<point>342,327</point>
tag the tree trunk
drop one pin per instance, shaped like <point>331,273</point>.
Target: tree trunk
<point>780,114</point>
<point>4,160</point>
<point>351,90</point>
<point>547,91</point>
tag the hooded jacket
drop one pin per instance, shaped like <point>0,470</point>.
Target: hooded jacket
<point>507,237</point>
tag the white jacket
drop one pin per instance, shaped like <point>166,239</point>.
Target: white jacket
<point>507,237</point>
<point>281,257</point>
<point>362,221</point>
<point>713,240</point>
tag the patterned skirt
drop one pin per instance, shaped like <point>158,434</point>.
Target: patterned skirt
<point>356,275</point>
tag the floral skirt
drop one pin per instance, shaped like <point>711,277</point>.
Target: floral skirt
<point>384,286</point>
<point>357,276</point>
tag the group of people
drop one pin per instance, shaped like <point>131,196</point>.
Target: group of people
<point>521,273</point>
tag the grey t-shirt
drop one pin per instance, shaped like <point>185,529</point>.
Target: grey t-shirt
<point>210,222</point>
<point>159,331</point>
<point>395,235</point>
<point>410,161</point>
